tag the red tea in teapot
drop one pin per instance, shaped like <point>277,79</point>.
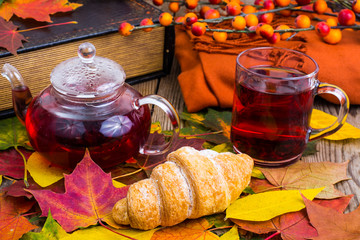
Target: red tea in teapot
<point>62,135</point>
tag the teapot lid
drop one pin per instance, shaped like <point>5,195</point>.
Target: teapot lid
<point>87,76</point>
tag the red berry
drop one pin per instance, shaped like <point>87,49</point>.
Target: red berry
<point>212,13</point>
<point>125,29</point>
<point>219,36</point>
<point>265,30</point>
<point>320,6</point>
<point>145,22</point>
<point>269,4</point>
<point>252,34</point>
<point>191,4</point>
<point>259,2</point>
<point>356,6</point>
<point>158,2</point>
<point>203,10</point>
<point>266,17</point>
<point>275,38</point>
<point>233,8</point>
<point>322,29</point>
<point>302,21</point>
<point>282,3</point>
<point>165,19</point>
<point>346,17</point>
<point>190,18</point>
<point>198,29</point>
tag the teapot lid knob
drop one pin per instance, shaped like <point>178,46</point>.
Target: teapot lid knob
<point>86,52</point>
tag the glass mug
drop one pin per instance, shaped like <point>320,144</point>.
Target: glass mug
<point>273,100</point>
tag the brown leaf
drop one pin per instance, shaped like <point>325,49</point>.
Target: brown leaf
<point>331,224</point>
<point>302,175</point>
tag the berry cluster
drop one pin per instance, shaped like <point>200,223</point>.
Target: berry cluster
<point>253,19</point>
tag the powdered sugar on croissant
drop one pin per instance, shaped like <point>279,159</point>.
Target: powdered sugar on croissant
<point>190,184</point>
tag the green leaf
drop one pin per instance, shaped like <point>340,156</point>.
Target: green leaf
<point>13,134</point>
<point>224,147</point>
<point>51,231</point>
<point>216,121</point>
<point>257,173</point>
<point>310,148</point>
<point>267,205</point>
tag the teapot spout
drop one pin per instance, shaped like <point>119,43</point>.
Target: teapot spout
<point>21,95</point>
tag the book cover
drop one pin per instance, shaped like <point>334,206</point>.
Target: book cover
<point>143,55</point>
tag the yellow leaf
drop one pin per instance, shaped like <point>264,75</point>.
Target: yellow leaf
<point>233,234</point>
<point>320,119</point>
<point>0,179</point>
<point>155,127</point>
<point>257,173</point>
<point>99,232</point>
<point>267,205</point>
<point>42,171</point>
<point>118,184</point>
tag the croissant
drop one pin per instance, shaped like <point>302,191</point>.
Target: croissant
<point>190,184</point>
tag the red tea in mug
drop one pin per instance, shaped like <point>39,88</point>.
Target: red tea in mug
<point>277,123</point>
<point>273,100</point>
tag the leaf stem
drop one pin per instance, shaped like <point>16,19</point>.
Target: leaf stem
<point>102,224</point>
<point>46,26</point>
<point>25,168</point>
<point>201,134</point>
<point>128,174</point>
<point>272,235</point>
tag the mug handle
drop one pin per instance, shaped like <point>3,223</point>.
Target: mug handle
<point>344,110</point>
<point>170,111</point>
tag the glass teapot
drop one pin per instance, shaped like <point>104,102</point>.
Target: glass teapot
<point>88,105</point>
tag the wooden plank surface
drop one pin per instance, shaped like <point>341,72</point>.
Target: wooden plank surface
<point>334,151</point>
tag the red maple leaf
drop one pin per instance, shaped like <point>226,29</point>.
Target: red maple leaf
<point>9,37</point>
<point>36,9</point>
<point>12,223</point>
<point>88,199</point>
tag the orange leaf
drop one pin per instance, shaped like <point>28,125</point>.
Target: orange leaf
<point>12,224</point>
<point>190,229</point>
<point>36,9</point>
<point>89,197</point>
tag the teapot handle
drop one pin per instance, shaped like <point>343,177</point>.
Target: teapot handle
<point>170,111</point>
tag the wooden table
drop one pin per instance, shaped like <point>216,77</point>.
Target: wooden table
<point>333,151</point>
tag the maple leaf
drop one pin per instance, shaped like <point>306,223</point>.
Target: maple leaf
<point>10,39</point>
<point>88,199</point>
<point>331,224</point>
<point>12,223</point>
<point>294,225</point>
<point>12,163</point>
<point>36,9</point>
<point>190,229</point>
<point>302,175</point>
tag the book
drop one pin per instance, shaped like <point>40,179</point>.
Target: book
<point>143,55</point>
